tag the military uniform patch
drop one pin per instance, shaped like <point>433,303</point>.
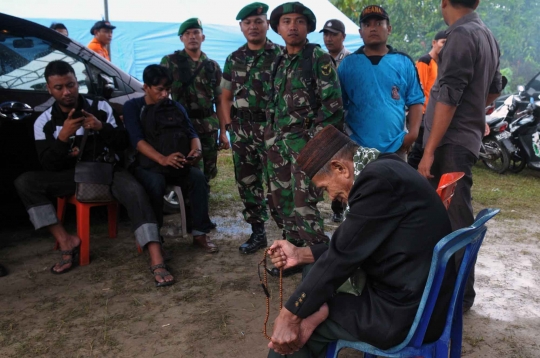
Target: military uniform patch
<point>259,10</point>
<point>326,69</point>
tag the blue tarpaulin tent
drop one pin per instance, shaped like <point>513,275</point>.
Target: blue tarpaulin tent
<point>146,31</point>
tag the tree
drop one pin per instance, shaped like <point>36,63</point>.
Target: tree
<point>513,22</point>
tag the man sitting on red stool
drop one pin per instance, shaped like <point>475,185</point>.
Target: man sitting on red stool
<point>58,132</point>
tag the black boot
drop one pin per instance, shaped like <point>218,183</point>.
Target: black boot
<point>256,241</point>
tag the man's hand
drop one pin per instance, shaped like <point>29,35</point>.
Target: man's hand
<point>175,160</point>
<point>91,122</point>
<point>408,141</point>
<point>284,254</point>
<point>487,130</point>
<point>424,167</point>
<point>223,141</point>
<point>70,127</point>
<point>286,338</point>
<point>196,154</point>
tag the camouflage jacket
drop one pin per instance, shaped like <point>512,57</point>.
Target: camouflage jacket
<point>289,110</point>
<point>245,74</point>
<point>200,95</point>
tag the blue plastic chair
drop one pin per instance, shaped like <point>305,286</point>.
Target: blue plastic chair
<point>470,237</point>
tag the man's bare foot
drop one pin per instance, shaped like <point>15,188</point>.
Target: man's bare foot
<point>71,242</point>
<point>309,324</point>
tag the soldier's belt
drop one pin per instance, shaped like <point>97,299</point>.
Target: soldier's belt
<point>254,116</point>
<point>200,113</point>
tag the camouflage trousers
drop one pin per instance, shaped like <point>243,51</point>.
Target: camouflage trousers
<point>250,170</point>
<point>208,162</point>
<point>293,193</point>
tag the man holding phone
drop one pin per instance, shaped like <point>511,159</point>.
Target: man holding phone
<point>169,149</point>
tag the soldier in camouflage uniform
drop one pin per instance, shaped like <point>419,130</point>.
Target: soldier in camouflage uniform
<point>306,96</point>
<point>243,102</point>
<point>196,87</point>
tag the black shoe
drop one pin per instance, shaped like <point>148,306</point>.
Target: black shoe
<point>3,271</point>
<point>466,309</point>
<point>213,225</point>
<point>337,217</point>
<point>256,241</point>
<point>286,273</point>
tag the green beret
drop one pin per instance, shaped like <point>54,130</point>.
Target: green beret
<point>253,9</point>
<point>193,23</point>
<point>293,8</point>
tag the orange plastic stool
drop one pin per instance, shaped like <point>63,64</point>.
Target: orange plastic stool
<point>83,222</point>
<point>447,187</point>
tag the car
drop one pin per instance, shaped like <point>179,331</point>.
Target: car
<point>25,50</point>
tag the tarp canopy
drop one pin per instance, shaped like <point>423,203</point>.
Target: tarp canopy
<point>146,30</point>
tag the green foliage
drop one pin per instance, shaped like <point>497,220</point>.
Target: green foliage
<point>513,22</point>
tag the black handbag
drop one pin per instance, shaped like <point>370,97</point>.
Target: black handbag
<point>93,179</point>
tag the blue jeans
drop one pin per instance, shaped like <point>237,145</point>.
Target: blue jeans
<point>194,183</point>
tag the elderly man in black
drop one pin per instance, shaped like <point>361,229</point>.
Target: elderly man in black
<point>389,233</point>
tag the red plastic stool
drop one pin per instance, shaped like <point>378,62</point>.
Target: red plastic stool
<point>83,222</point>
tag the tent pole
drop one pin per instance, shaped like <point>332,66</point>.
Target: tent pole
<point>106,4</point>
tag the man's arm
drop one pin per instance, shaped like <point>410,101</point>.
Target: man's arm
<point>491,98</point>
<point>329,92</point>
<point>414,118</point>
<point>455,74</point>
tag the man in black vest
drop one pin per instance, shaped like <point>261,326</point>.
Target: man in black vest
<point>155,169</point>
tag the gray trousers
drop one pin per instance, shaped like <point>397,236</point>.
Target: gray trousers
<point>37,188</point>
<point>455,158</point>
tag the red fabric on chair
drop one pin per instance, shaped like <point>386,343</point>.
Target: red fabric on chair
<point>447,186</point>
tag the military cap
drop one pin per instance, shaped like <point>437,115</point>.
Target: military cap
<point>193,23</point>
<point>253,9</point>
<point>293,8</point>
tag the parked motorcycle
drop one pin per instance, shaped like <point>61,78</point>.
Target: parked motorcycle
<point>496,146</point>
<point>525,135</point>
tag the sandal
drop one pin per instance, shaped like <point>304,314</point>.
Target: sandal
<point>162,274</point>
<point>73,260</point>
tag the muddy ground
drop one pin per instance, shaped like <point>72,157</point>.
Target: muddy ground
<point>112,309</point>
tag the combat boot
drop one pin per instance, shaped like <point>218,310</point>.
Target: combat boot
<point>256,241</point>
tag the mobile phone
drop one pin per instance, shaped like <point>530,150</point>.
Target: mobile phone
<point>77,115</point>
<point>191,157</point>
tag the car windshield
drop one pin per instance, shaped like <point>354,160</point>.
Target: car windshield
<point>23,62</point>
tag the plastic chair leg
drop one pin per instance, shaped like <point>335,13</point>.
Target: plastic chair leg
<point>331,350</point>
<point>182,205</point>
<point>83,231</point>
<point>112,210</point>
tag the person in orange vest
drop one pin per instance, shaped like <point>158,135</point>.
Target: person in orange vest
<point>427,71</point>
<point>102,31</point>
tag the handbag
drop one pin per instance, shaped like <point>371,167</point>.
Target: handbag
<point>93,179</point>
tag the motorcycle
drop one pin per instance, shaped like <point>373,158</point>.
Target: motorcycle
<point>496,147</point>
<point>525,135</point>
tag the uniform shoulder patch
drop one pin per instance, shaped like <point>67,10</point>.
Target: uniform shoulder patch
<point>326,69</point>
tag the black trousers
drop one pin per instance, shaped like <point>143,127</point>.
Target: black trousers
<point>36,190</point>
<point>194,183</point>
<point>455,158</point>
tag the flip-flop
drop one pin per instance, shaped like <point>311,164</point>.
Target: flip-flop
<point>3,271</point>
<point>162,274</point>
<point>73,253</point>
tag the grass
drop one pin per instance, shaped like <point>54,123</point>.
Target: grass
<point>517,195</point>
